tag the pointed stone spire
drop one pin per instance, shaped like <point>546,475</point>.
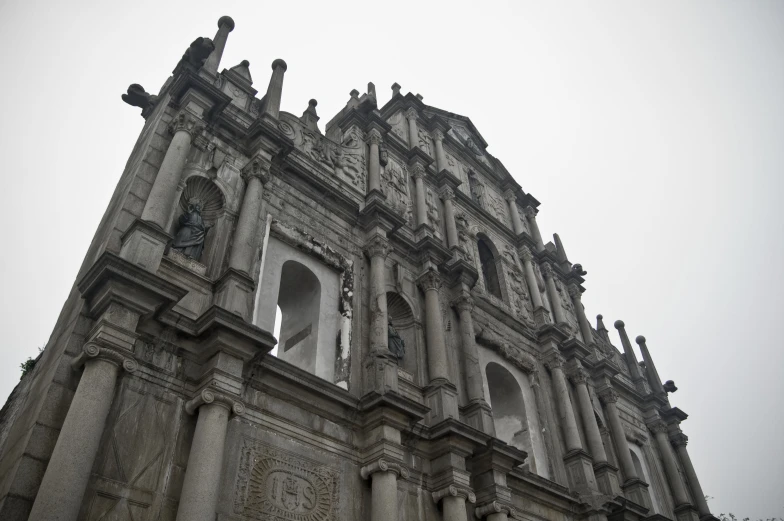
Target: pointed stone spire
<point>601,329</point>
<point>225,26</point>
<point>309,117</point>
<point>395,89</point>
<point>653,375</point>
<point>275,89</point>
<point>242,71</point>
<point>371,90</point>
<point>631,358</point>
<point>561,253</point>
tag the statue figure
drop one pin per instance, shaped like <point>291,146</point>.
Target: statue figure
<point>197,53</point>
<point>138,97</point>
<point>396,344</point>
<point>190,236</point>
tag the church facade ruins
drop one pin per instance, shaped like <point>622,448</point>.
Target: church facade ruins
<point>434,360</point>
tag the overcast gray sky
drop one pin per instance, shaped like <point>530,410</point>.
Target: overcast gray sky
<point>650,131</point>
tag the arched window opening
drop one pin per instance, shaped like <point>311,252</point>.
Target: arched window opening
<point>276,330</point>
<point>489,268</point>
<point>509,414</point>
<point>637,465</point>
<point>299,299</point>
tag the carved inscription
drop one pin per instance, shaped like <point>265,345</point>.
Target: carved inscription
<point>279,486</point>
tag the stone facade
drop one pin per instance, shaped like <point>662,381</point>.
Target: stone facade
<point>156,397</point>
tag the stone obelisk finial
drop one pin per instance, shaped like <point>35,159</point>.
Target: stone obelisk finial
<point>275,89</point>
<point>225,26</point>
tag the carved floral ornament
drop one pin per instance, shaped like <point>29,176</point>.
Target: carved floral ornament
<point>430,280</point>
<point>608,395</point>
<point>186,122</point>
<point>258,167</point>
<point>555,361</point>
<point>93,351</point>
<point>377,246</point>
<point>417,171</point>
<point>446,193</point>
<point>580,376</point>
<point>658,427</point>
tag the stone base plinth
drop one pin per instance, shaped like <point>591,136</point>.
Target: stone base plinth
<point>607,479</point>
<point>143,244</point>
<point>686,513</point>
<point>636,490</point>
<point>441,397</point>
<point>479,416</point>
<point>579,470</point>
<point>381,373</point>
<point>234,293</point>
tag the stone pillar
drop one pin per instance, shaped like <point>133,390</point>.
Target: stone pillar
<point>592,434</point>
<point>447,193</point>
<point>680,440</point>
<point>418,173</point>
<point>517,223</point>
<point>62,489</point>
<point>199,496</point>
<point>374,165</point>
<point>609,397</point>
<point>473,372</point>
<point>565,410</point>
<point>225,26</point>
<point>582,320</point>
<point>631,358</point>
<point>560,253</point>
<point>413,131</point>
<point>160,203</point>
<point>530,214</point>
<point>530,277</point>
<point>438,139</point>
<point>653,375</point>
<point>377,249</point>
<point>659,429</point>
<point>453,500</point>
<point>243,247</point>
<point>552,292</point>
<point>383,499</point>
<point>430,282</point>
<point>275,89</point>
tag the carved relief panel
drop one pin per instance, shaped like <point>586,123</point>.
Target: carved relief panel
<point>275,485</point>
<point>395,186</point>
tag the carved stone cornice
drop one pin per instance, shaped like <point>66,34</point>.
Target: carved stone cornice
<point>382,465</point>
<point>608,395</point>
<point>258,167</point>
<point>454,491</point>
<point>429,280</point>
<point>186,122</point>
<point>377,246</point>
<point>208,396</point>
<point>93,351</point>
<point>494,507</point>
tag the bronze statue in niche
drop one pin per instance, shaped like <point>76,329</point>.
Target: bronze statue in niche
<point>395,343</point>
<point>192,231</point>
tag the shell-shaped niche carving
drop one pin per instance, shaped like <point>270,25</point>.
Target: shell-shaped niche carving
<point>211,198</point>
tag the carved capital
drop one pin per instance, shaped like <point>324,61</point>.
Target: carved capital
<point>186,122</point>
<point>463,302</point>
<point>377,246</point>
<point>447,193</point>
<point>547,270</point>
<point>454,491</point>
<point>510,195</point>
<point>494,507</point>
<point>580,376</point>
<point>382,465</point>
<point>417,171</point>
<point>93,351</point>
<point>530,212</point>
<point>374,137</point>
<point>526,254</point>
<point>411,113</point>
<point>575,293</point>
<point>658,427</point>
<point>679,439</point>
<point>608,396</point>
<point>438,134</point>
<point>207,396</point>
<point>555,361</point>
<point>429,280</point>
<point>258,167</point>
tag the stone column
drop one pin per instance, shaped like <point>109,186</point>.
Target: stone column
<point>592,434</point>
<point>243,248</point>
<point>413,131</point>
<point>631,358</point>
<point>225,26</point>
<point>430,282</point>
<point>653,375</point>
<point>377,249</point>
<point>199,496</point>
<point>552,292</point>
<point>493,511</point>
<point>530,277</point>
<point>530,214</point>
<point>517,223</point>
<point>275,89</point>
<point>438,139</point>
<point>475,390</point>
<point>659,429</point>
<point>610,397</point>
<point>418,173</point>
<point>582,320</point>
<point>565,410</point>
<point>680,440</point>
<point>453,500</point>
<point>383,498</point>
<point>160,203</point>
<point>62,489</point>
<point>447,193</point>
<point>374,165</point>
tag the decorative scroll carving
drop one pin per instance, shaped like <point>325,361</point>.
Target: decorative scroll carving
<point>207,396</point>
<point>455,491</point>
<point>92,351</point>
<point>495,507</point>
<point>274,485</point>
<point>382,465</point>
<point>186,122</point>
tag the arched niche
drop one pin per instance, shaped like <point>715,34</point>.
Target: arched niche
<point>489,265</point>
<point>307,292</point>
<point>405,323</point>
<point>213,204</point>
<point>643,472</point>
